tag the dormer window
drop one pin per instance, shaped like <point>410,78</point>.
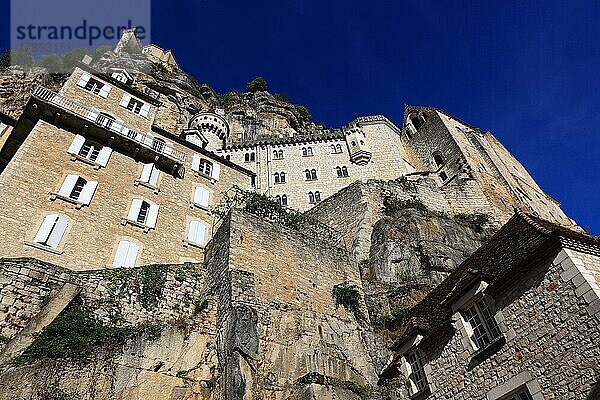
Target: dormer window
<point>134,105</point>
<point>482,326</point>
<point>93,85</point>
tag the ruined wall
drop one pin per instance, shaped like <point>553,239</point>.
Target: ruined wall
<point>279,315</point>
<point>556,346</point>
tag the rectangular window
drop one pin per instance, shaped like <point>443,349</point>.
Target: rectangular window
<point>521,394</point>
<point>196,232</point>
<point>483,326</point>
<point>126,254</point>
<point>416,375</point>
<point>134,105</point>
<point>150,174</point>
<point>201,197</point>
<point>51,231</point>
<point>93,85</point>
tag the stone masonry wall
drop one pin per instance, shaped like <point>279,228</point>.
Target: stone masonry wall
<point>99,225</point>
<point>547,337</point>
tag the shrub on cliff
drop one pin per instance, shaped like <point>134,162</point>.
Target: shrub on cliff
<point>257,85</point>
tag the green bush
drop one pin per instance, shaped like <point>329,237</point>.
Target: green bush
<point>257,85</point>
<point>347,295</point>
<point>303,111</point>
<point>74,333</point>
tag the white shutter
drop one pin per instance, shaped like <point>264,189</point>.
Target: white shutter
<point>201,196</point>
<point>103,156</point>
<point>216,172</point>
<point>145,110</point>
<point>83,80</point>
<point>154,176</point>
<point>146,171</point>
<point>2,127</point>
<point>93,114</point>
<point>68,184</point>
<point>76,144</point>
<point>121,254</point>
<point>132,253</point>
<point>58,232</point>
<point>196,162</point>
<point>152,215</point>
<point>134,211</point>
<point>42,234</point>
<point>88,192</point>
<point>125,100</point>
<point>148,139</point>
<point>105,90</point>
<point>197,232</point>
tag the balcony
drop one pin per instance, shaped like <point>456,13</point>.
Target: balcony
<point>144,145</point>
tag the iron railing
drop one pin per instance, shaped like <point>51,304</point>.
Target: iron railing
<point>95,116</point>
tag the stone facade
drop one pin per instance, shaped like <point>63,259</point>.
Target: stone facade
<point>548,314</point>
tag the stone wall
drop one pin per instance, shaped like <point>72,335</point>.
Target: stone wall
<point>549,336</point>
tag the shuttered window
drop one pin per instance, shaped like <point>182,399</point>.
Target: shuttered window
<point>78,189</point>
<point>143,212</point>
<point>206,167</point>
<point>127,254</point>
<point>90,150</point>
<point>134,105</point>
<point>201,197</point>
<point>150,174</point>
<point>196,232</point>
<point>51,231</point>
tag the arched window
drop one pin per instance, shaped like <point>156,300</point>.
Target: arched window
<point>275,154</point>
<point>417,120</point>
<point>278,199</point>
<point>280,154</point>
<point>247,157</point>
<point>307,174</point>
<point>309,151</point>
<point>353,143</point>
<point>362,142</point>
<point>276,177</point>
<point>438,159</point>
<point>443,176</point>
<point>313,174</point>
<point>338,171</point>
<point>252,157</point>
<point>282,177</point>
<point>333,150</point>
<point>317,196</point>
<point>311,197</point>
<point>304,153</point>
<point>338,148</point>
<point>284,200</point>
<point>344,171</point>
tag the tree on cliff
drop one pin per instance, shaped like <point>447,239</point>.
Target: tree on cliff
<point>257,85</point>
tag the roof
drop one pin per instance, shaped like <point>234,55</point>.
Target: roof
<point>516,245</point>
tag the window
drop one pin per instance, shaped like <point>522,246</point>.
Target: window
<point>143,212</point>
<point>353,143</point>
<point>93,85</point>
<point>134,105</point>
<point>483,329</point>
<point>416,373</point>
<point>90,151</point>
<point>438,159</point>
<point>196,233</point>
<point>417,120</point>
<point>279,177</point>
<point>307,151</point>
<point>51,231</point>
<point>126,254</point>
<point>77,189</point>
<point>314,198</point>
<point>201,197</point>
<point>310,174</point>
<point>3,127</point>
<point>336,148</point>
<point>150,175</point>
<point>205,167</point>
<point>341,172</point>
<point>277,154</point>
<point>250,157</point>
<point>281,199</point>
<point>521,394</point>
<point>158,145</point>
<point>443,176</point>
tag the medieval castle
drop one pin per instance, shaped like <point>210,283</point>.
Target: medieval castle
<point>237,250</point>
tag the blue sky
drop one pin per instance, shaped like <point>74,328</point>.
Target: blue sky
<point>526,71</point>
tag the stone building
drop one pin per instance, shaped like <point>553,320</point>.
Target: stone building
<point>519,319</point>
<point>116,184</point>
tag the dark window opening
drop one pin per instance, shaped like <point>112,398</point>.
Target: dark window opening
<point>76,192</point>
<point>143,214</point>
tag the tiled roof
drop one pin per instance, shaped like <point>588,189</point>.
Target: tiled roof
<point>499,259</point>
